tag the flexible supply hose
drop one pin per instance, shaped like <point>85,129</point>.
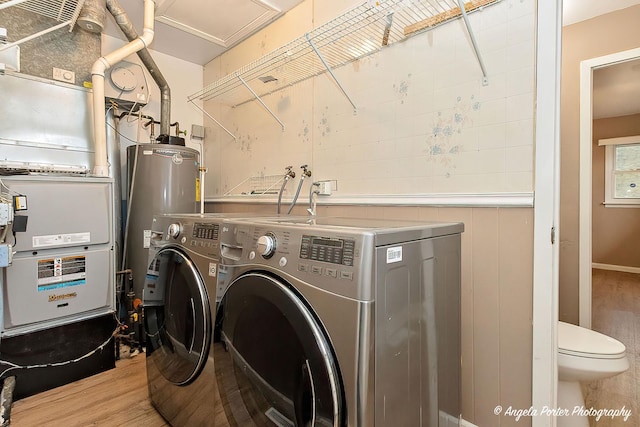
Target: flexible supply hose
<point>284,183</point>
<point>287,176</point>
<point>295,197</point>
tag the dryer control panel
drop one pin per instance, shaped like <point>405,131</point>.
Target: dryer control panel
<point>327,259</point>
<point>327,249</point>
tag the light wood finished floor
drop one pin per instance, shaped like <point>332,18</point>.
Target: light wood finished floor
<point>117,397</point>
<point>616,312</point>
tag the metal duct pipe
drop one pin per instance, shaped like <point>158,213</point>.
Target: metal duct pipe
<point>92,16</point>
<point>97,80</point>
<point>147,60</point>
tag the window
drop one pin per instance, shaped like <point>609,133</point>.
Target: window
<point>622,171</point>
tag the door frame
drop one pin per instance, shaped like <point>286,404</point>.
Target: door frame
<point>586,137</point>
<point>544,384</point>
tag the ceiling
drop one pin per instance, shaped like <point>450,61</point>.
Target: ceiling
<point>199,30</point>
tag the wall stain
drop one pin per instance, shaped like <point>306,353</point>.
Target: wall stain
<point>305,133</point>
<point>402,89</point>
<point>443,144</point>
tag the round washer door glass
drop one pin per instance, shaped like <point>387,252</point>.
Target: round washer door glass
<point>179,326</point>
<point>273,361</point>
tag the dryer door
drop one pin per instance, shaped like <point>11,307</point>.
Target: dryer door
<point>179,327</point>
<point>274,364</point>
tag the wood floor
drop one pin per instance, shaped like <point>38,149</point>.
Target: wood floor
<point>117,397</point>
<point>616,312</point>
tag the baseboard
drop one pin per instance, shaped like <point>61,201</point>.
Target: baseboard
<point>465,423</point>
<point>622,268</point>
<point>447,420</point>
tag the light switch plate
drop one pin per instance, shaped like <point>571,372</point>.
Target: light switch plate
<point>64,75</point>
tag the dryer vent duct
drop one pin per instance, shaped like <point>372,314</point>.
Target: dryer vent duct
<point>93,16</point>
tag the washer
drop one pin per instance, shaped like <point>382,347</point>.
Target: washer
<point>339,321</point>
<point>179,300</point>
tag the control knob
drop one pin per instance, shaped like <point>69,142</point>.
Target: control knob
<point>174,230</point>
<point>267,245</point>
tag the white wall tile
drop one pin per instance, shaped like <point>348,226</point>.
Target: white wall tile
<point>424,121</point>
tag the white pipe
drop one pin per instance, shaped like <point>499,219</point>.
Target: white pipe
<point>97,81</point>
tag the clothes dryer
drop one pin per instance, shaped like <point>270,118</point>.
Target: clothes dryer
<point>339,322</point>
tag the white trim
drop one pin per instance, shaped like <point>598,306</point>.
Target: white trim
<point>456,200</point>
<point>612,267</point>
<point>620,203</point>
<point>623,140</point>
<point>586,119</point>
<point>465,423</point>
<point>546,213</point>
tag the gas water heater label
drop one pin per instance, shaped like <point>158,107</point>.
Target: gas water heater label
<point>60,239</point>
<point>56,273</point>
<point>394,254</point>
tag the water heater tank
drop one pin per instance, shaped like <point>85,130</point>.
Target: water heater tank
<point>162,178</point>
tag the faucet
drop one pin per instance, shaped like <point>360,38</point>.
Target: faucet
<point>288,174</point>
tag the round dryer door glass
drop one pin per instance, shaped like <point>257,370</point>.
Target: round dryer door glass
<point>178,326</point>
<point>273,361</point>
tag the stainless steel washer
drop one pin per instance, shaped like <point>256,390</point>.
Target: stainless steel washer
<point>179,300</point>
<point>338,321</point>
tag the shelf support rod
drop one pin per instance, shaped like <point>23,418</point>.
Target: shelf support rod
<point>216,122</point>
<point>33,36</point>
<point>485,81</point>
<point>335,79</point>
<point>260,100</point>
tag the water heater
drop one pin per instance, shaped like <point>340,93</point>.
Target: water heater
<point>162,178</point>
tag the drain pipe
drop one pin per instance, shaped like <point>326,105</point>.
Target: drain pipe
<point>130,32</point>
<point>97,80</point>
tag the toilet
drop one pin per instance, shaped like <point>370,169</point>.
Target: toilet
<point>584,356</point>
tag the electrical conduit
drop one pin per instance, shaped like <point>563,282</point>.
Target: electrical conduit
<point>97,80</point>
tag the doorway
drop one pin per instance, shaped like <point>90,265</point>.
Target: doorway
<point>586,174</point>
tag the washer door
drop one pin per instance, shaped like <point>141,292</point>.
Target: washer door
<point>274,364</point>
<point>179,327</point>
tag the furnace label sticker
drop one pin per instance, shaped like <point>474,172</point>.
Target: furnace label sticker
<point>57,273</point>
<point>394,254</point>
<point>60,239</point>
<point>213,269</point>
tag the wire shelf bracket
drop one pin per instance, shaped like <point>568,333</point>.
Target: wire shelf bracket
<point>260,100</point>
<point>474,43</point>
<point>65,12</point>
<point>326,65</point>
<point>357,33</point>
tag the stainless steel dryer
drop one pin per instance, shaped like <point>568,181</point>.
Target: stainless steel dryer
<point>179,299</point>
<point>339,322</point>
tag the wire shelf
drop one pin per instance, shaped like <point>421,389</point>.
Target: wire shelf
<point>361,31</point>
<point>65,12</point>
<point>257,185</point>
<point>58,10</point>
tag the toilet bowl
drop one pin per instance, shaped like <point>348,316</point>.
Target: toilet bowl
<point>584,356</point>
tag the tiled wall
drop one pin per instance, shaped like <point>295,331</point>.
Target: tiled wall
<point>425,123</point>
<point>497,259</point>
